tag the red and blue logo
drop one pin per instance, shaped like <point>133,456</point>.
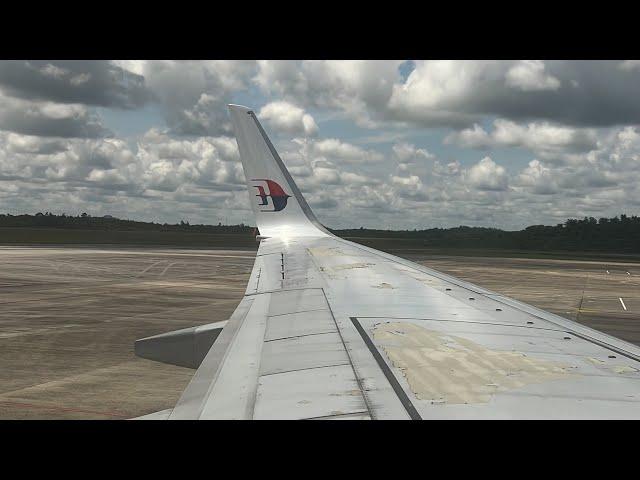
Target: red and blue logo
<point>276,193</point>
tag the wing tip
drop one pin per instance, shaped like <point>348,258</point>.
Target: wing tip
<point>238,108</point>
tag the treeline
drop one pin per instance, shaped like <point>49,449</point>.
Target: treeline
<point>613,235</point>
<point>618,235</point>
<point>107,222</point>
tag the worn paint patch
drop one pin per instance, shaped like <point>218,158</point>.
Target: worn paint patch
<point>326,252</point>
<point>332,275</point>
<point>623,369</point>
<point>349,266</point>
<point>614,368</point>
<point>419,276</point>
<point>352,393</point>
<point>384,285</point>
<point>446,369</point>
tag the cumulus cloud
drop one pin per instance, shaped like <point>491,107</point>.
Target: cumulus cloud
<point>487,175</point>
<point>359,88</point>
<point>49,119</point>
<point>343,152</point>
<point>409,187</point>
<point>169,162</point>
<point>412,160</point>
<point>624,149</point>
<point>90,82</point>
<point>458,93</point>
<point>529,76</point>
<point>409,153</point>
<point>574,125</point>
<point>543,138</point>
<point>473,137</point>
<point>538,178</point>
<point>39,160</point>
<point>21,144</point>
<point>283,77</point>
<point>194,94</point>
<point>288,118</point>
<point>319,163</point>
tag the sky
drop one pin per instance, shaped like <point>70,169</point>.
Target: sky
<point>380,144</point>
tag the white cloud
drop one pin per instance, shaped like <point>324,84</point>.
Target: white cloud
<point>432,89</point>
<point>409,187</point>
<point>487,175</point>
<point>409,153</point>
<point>107,177</point>
<point>474,137</point>
<point>168,162</point>
<point>17,143</point>
<point>53,149</point>
<point>317,164</point>
<point>543,138</point>
<point>458,93</point>
<point>530,76</point>
<point>538,178</point>
<point>134,66</point>
<point>194,94</point>
<point>410,181</point>
<point>282,77</point>
<point>87,82</point>
<point>50,70</point>
<point>356,87</point>
<point>629,65</point>
<point>343,152</point>
<point>288,118</point>
<point>44,118</point>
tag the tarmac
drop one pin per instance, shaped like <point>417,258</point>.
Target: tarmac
<point>70,316</point>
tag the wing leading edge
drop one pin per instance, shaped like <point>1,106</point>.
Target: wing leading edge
<point>329,329</point>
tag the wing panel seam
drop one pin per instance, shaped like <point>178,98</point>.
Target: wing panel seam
<point>402,395</point>
<point>353,368</point>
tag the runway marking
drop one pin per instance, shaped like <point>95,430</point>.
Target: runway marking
<point>168,267</point>
<point>622,302</point>
<point>150,266</point>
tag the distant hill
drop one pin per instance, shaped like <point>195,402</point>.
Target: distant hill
<point>618,235</point>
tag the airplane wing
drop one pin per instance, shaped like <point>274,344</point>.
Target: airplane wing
<point>329,329</point>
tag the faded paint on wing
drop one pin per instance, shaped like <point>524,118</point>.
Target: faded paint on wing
<point>333,271</point>
<point>326,252</point>
<point>446,369</point>
<point>350,266</point>
<point>384,285</point>
<point>617,368</point>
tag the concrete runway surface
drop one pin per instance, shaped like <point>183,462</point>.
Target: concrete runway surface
<point>70,316</point>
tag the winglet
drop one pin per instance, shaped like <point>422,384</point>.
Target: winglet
<point>279,207</point>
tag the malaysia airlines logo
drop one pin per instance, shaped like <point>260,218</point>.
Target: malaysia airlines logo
<point>275,192</point>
